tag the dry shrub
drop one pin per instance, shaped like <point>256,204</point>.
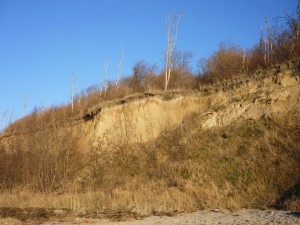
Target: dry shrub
<point>155,82</point>
<point>283,50</point>
<point>256,59</point>
<point>182,79</point>
<point>277,46</point>
<point>142,74</point>
<point>292,205</point>
<point>226,63</point>
<point>41,161</point>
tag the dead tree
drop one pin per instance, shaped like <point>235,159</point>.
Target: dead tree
<point>269,43</point>
<point>120,67</point>
<point>73,90</point>
<point>172,23</point>
<point>243,51</point>
<point>106,75</point>
<point>6,120</point>
<point>293,24</point>
<point>2,122</point>
<point>263,45</point>
<point>25,106</point>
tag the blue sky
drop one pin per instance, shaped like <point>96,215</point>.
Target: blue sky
<point>42,42</point>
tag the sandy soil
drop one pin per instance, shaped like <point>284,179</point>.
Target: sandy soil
<point>201,217</point>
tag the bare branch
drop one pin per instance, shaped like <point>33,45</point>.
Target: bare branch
<point>172,23</point>
<point>244,57</point>
<point>120,67</point>
<point>73,89</point>
<point>25,105</point>
<point>106,75</point>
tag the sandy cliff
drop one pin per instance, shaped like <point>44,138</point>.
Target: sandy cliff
<point>142,120</point>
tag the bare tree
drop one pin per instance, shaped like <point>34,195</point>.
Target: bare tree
<point>6,119</point>
<point>263,45</point>
<point>106,75</point>
<point>120,67</point>
<point>244,58</point>
<point>73,90</point>
<point>172,22</point>
<point>203,66</point>
<point>293,24</point>
<point>269,43</point>
<point>181,59</point>
<point>1,122</point>
<point>43,108</point>
<point>141,72</point>
<point>25,105</point>
<point>10,118</point>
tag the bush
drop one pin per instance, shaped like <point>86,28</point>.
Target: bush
<point>226,63</point>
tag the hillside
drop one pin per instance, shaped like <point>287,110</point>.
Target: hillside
<point>235,144</point>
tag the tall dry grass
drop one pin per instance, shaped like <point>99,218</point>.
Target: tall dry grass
<point>249,164</point>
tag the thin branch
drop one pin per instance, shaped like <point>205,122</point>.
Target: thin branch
<point>172,23</point>
<point>120,67</point>
<point>106,75</point>
<point>73,89</point>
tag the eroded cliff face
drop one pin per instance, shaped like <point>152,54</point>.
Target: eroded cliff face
<point>146,119</point>
<point>141,120</point>
<point>254,100</point>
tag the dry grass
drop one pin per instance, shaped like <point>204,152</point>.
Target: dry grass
<point>144,201</point>
<point>247,165</point>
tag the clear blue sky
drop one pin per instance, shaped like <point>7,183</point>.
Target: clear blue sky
<point>42,42</point>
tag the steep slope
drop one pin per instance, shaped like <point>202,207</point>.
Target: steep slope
<point>146,119</point>
<point>231,145</point>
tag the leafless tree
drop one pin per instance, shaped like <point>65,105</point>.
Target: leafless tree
<point>106,75</point>
<point>10,118</point>
<point>181,59</point>
<point>269,43</point>
<point>243,51</point>
<point>263,45</point>
<point>293,24</point>
<point>120,67</point>
<point>25,105</point>
<point>73,90</point>
<point>6,119</point>
<point>172,22</point>
<point>141,74</point>
<point>1,121</point>
<point>202,66</point>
